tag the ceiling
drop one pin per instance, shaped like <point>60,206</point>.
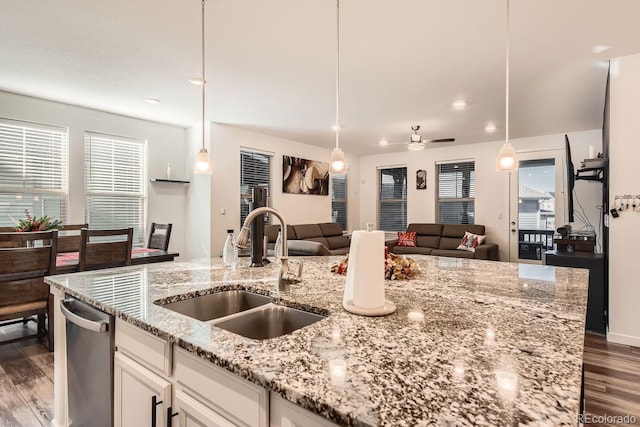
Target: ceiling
<point>271,64</point>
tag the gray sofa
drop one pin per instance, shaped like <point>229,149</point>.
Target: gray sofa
<point>311,239</point>
<point>443,239</point>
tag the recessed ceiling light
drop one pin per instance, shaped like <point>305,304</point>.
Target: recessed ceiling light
<point>334,127</point>
<point>490,127</point>
<point>152,101</point>
<point>196,81</point>
<point>459,104</point>
<point>383,142</point>
<point>600,48</point>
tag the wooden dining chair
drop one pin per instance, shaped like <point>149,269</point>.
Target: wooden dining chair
<point>23,293</point>
<point>105,248</point>
<point>69,237</point>
<point>159,236</point>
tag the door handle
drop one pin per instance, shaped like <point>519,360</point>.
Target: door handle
<point>92,325</point>
<point>170,416</point>
<point>154,402</point>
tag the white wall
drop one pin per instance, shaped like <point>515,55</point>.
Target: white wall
<point>198,203</point>
<point>226,144</point>
<point>492,200</point>
<point>166,144</point>
<point>624,173</point>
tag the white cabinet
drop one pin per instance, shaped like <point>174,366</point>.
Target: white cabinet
<point>283,413</point>
<point>148,370</point>
<point>231,397</point>
<point>140,396</point>
<point>192,413</point>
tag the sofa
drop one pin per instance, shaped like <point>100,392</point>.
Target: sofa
<point>443,240</point>
<point>311,239</point>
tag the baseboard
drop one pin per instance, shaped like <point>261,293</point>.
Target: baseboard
<point>623,339</point>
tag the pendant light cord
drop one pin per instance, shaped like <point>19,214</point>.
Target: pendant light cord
<point>506,127</point>
<point>203,78</point>
<point>337,73</point>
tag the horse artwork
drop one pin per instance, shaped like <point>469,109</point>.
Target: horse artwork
<point>301,176</point>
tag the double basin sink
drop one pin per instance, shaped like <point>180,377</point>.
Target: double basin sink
<point>245,313</point>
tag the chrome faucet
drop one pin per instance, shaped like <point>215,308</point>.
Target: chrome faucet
<point>285,277</point>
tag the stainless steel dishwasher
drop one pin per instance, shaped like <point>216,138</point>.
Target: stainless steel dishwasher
<point>90,346</point>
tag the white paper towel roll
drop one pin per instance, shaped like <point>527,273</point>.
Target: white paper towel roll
<point>592,152</point>
<point>365,274</point>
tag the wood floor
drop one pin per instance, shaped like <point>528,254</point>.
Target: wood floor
<point>26,380</point>
<point>612,380</point>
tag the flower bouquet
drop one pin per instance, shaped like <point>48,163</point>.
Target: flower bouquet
<point>43,223</point>
<point>395,267</point>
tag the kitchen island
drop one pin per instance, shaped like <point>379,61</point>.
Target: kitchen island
<point>472,342</point>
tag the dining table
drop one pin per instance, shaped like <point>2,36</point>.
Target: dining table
<point>67,262</point>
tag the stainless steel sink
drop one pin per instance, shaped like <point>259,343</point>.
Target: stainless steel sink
<point>219,304</point>
<point>268,322</point>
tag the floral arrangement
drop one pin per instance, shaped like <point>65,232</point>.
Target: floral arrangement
<point>31,223</point>
<point>395,267</point>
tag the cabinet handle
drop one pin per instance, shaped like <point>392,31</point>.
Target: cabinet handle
<point>170,416</point>
<point>154,402</point>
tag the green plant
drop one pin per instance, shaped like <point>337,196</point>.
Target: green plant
<point>43,223</point>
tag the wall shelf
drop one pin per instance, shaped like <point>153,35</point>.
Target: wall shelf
<point>591,174</point>
<point>170,181</point>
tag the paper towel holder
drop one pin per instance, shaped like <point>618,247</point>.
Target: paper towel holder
<point>388,308</point>
<point>372,240</point>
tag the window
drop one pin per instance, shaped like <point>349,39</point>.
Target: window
<point>456,193</point>
<point>115,190</point>
<point>33,171</point>
<point>339,199</point>
<point>255,169</point>
<point>392,199</point>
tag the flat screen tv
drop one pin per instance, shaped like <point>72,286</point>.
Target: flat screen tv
<point>571,179</point>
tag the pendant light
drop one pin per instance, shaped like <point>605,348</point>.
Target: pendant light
<point>338,162</point>
<point>203,162</point>
<point>507,155</point>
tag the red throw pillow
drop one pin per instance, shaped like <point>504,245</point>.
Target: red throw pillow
<point>407,239</point>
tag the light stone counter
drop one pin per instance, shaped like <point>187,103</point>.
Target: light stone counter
<point>440,357</point>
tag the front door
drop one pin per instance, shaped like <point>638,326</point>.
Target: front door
<point>537,204</point>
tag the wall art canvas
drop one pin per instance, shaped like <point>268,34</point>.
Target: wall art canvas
<point>302,176</point>
<point>421,179</point>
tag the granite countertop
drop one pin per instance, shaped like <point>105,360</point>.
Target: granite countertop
<point>463,331</point>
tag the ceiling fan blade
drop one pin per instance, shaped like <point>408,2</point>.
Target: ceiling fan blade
<point>439,140</point>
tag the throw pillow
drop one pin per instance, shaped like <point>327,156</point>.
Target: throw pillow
<point>407,239</point>
<point>470,241</point>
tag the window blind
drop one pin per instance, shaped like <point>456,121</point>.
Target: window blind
<point>339,199</point>
<point>456,193</point>
<point>33,170</point>
<point>255,169</point>
<point>115,190</point>
<point>392,199</point>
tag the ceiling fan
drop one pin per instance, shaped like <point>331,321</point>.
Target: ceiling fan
<point>417,143</point>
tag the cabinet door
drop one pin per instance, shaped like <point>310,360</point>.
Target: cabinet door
<point>192,413</point>
<point>139,394</point>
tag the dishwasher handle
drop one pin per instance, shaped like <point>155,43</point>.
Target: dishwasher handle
<point>92,325</point>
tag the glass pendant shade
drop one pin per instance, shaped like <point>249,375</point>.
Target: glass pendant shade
<point>203,162</point>
<point>507,158</point>
<point>338,162</point>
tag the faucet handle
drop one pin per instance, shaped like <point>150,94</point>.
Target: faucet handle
<point>300,266</point>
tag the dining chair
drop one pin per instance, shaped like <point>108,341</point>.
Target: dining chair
<point>105,248</point>
<point>69,237</point>
<point>159,236</point>
<point>23,293</point>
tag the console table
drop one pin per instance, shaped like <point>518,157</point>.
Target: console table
<point>597,300</point>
